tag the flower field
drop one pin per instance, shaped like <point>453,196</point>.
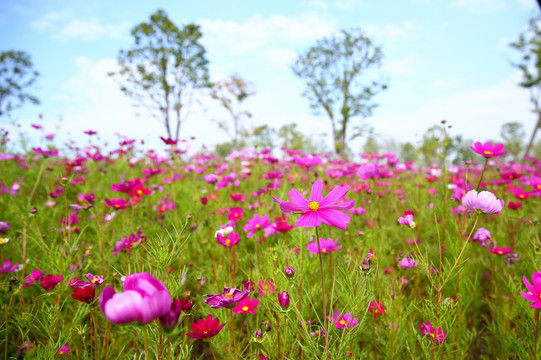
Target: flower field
<point>132,254</point>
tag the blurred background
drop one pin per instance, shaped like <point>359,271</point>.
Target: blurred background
<point>438,60</point>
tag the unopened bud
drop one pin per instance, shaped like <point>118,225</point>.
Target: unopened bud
<point>289,271</point>
<point>283,299</point>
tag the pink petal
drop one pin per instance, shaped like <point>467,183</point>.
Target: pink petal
<point>297,199</point>
<point>335,218</point>
<point>536,280</point>
<point>528,285</point>
<point>315,194</point>
<point>334,196</point>
<point>530,297</point>
<point>309,219</point>
<point>345,205</point>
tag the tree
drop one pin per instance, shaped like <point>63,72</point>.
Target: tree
<point>529,44</point>
<point>512,134</point>
<point>16,76</point>
<point>163,69</point>
<point>332,70</point>
<point>231,93</point>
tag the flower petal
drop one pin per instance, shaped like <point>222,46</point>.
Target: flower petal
<point>297,199</point>
<point>334,217</point>
<point>317,189</point>
<point>309,219</point>
<point>334,196</point>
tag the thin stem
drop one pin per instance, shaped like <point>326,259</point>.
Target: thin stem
<point>534,350</point>
<point>323,291</point>
<point>482,173</point>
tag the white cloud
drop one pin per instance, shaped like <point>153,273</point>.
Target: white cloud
<point>258,33</point>
<point>63,25</point>
<point>476,114</point>
<point>337,4</point>
<point>481,6</point>
<point>410,64</point>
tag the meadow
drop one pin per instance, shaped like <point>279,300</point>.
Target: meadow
<point>131,254</point>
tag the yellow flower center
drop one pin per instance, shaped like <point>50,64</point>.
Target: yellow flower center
<point>245,308</point>
<point>139,191</point>
<point>227,242</point>
<point>539,186</point>
<point>500,252</point>
<point>522,196</point>
<point>487,152</point>
<point>324,250</point>
<point>313,205</point>
<point>228,296</point>
<point>432,334</point>
<point>257,226</point>
<point>342,322</point>
<point>236,215</point>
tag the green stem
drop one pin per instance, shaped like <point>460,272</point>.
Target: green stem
<point>323,291</point>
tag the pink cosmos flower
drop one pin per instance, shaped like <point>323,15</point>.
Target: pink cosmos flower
<point>228,240</point>
<point>407,220</point>
<point>376,309</point>
<point>256,223</point>
<point>144,298</point>
<point>266,287</point>
<point>63,350</point>
<point>488,150</point>
<point>327,246</point>
<point>534,294</point>
<point>428,329</point>
<point>235,214</point>
<point>485,202</point>
<point>407,263</point>
<point>500,250</point>
<point>319,209</point>
<point>7,267</point>
<point>246,306</point>
<point>340,322</point>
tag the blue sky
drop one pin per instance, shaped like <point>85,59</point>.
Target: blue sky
<point>443,60</point>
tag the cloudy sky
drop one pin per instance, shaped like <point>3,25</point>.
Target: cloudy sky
<point>444,59</point>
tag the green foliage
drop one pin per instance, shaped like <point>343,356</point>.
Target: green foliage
<point>163,68</point>
<point>291,138</point>
<point>513,135</point>
<point>17,75</point>
<point>332,70</point>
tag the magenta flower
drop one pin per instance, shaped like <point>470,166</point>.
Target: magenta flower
<point>340,322</point>
<point>266,287</point>
<point>7,267</point>
<point>428,329</point>
<point>49,281</point>
<point>170,320</point>
<point>488,150</point>
<point>235,214</point>
<point>407,219</point>
<point>407,263</point>
<point>34,277</point>
<point>485,202</point>
<point>376,309</point>
<point>500,250</point>
<point>144,298</point>
<point>95,279</point>
<point>534,294</point>
<point>327,246</point>
<point>256,223</point>
<point>229,297</point>
<point>246,306</point>
<point>63,350</point>
<point>205,328</point>
<point>317,209</point>
<point>229,240</point>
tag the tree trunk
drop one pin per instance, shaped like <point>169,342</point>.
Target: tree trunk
<point>532,139</point>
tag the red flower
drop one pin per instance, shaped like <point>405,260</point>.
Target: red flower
<point>82,290</point>
<point>48,282</point>
<point>205,328</point>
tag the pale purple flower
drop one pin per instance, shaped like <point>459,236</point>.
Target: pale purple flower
<point>229,297</point>
<point>485,202</point>
<point>144,298</point>
<point>407,263</point>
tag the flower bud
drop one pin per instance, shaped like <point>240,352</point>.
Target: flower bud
<point>283,299</point>
<point>289,271</point>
